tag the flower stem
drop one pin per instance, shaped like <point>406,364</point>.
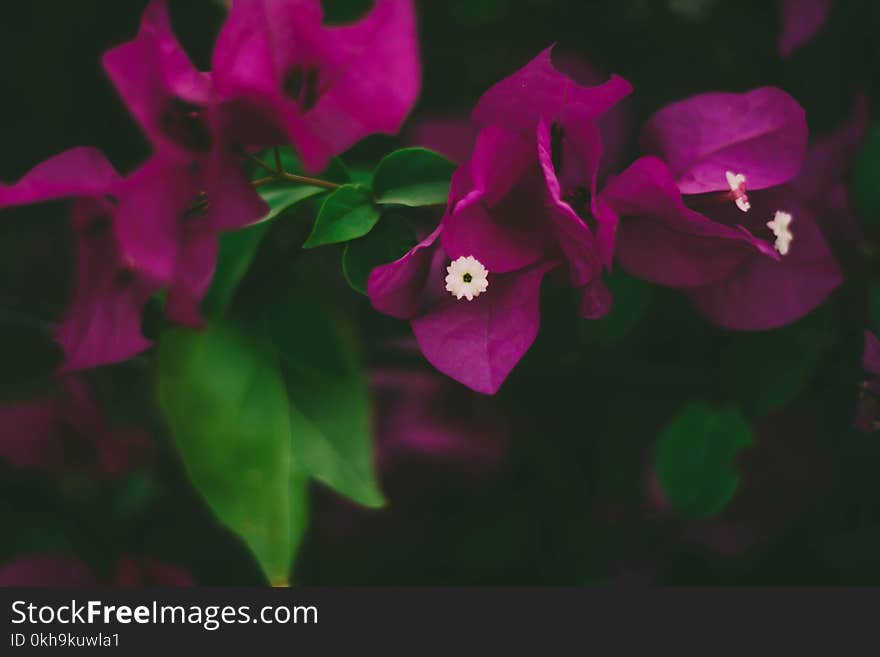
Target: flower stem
<point>262,164</point>
<point>278,175</point>
<point>306,180</point>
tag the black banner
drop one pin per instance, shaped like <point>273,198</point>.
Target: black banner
<point>431,621</point>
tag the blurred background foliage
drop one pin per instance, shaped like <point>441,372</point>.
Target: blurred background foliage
<point>610,426</point>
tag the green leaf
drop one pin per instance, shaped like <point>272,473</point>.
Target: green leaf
<point>392,237</point>
<point>327,388</point>
<point>694,458</point>
<point>414,177</point>
<point>283,196</point>
<point>226,406</point>
<point>765,370</point>
<point>347,213</point>
<point>237,251</point>
<point>866,178</point>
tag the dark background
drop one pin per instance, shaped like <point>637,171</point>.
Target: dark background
<point>569,505</point>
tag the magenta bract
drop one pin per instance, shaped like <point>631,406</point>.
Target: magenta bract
<point>520,208</point>
<point>321,88</point>
<point>103,322</point>
<point>710,211</point>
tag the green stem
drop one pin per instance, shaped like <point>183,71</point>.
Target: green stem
<point>279,175</point>
<point>292,177</point>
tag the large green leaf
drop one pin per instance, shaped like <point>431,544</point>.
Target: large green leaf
<point>767,369</point>
<point>224,399</point>
<point>392,237</point>
<point>329,400</point>
<point>347,213</point>
<point>414,177</point>
<point>694,458</point>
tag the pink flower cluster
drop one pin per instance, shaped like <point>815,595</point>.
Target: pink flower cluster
<point>727,202</point>
<point>279,76</point>
<point>726,205</point>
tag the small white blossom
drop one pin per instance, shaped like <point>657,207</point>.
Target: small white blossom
<point>466,277</point>
<point>737,183</point>
<point>779,226</point>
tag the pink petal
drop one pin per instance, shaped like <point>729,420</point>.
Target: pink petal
<point>761,134</point>
<point>582,151</point>
<point>46,570</point>
<point>233,202</point>
<point>367,75</point>
<point>398,289</point>
<point>151,74</point>
<point>78,172</point>
<point>152,204</point>
<point>663,241</point>
<point>596,300</point>
<point>538,90</point>
<point>192,275</point>
<point>479,342</point>
<point>761,293</point>
<point>500,221</point>
<point>103,322</point>
<point>801,21</point>
<point>452,137</point>
<point>150,572</point>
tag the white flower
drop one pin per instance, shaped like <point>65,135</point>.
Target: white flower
<point>779,226</point>
<point>466,277</point>
<point>737,182</point>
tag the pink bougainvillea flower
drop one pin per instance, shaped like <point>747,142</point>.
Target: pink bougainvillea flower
<point>131,572</point>
<point>710,210</point>
<point>868,412</point>
<point>539,91</point>
<point>197,158</point>
<point>517,210</point>
<point>452,137</point>
<point>68,434</point>
<point>476,342</point>
<point>432,437</point>
<point>60,570</point>
<point>761,134</point>
<point>539,101</point>
<point>103,323</point>
<point>822,179</point>
<point>321,88</point>
<point>424,422</point>
<point>46,570</point>
<point>801,20</point>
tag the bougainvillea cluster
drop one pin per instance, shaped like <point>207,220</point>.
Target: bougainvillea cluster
<point>730,202</point>
<point>157,227</point>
